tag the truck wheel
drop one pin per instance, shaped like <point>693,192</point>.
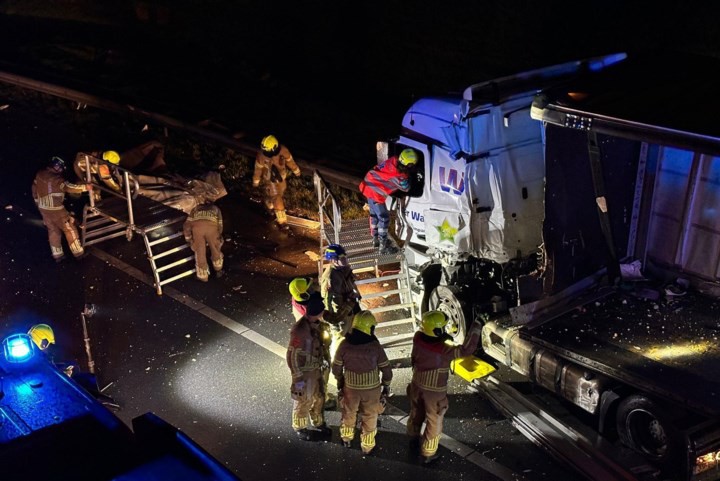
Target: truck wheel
<point>644,427</point>
<point>446,299</point>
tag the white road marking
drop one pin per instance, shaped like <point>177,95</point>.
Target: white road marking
<point>398,415</point>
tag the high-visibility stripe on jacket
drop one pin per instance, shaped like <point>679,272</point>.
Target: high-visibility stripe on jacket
<point>384,179</point>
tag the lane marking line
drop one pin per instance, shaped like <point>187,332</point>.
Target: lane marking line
<point>458,448</point>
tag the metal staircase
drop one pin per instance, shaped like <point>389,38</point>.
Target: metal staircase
<point>383,280</point>
<point>126,214</point>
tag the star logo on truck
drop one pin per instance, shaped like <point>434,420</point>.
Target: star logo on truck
<point>447,232</point>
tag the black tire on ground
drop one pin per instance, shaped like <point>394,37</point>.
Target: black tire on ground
<point>645,427</point>
<point>447,300</point>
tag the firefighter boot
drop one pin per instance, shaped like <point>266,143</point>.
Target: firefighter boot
<point>386,246</point>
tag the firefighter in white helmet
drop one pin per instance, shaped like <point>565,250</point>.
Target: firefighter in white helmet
<point>363,374</point>
<point>48,192</point>
<point>203,229</point>
<point>431,357</point>
<point>272,163</point>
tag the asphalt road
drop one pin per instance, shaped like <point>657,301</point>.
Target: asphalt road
<point>209,358</point>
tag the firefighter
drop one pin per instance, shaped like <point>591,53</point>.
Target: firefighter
<point>101,172</point>
<point>44,337</point>
<point>430,359</point>
<point>338,288</point>
<point>301,290</point>
<point>383,180</point>
<point>363,375</point>
<point>305,359</point>
<point>272,163</point>
<point>202,229</point>
<point>48,191</point>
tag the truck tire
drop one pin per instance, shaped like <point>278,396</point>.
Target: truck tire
<point>447,300</point>
<point>644,427</point>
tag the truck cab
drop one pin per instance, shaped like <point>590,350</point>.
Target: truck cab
<point>473,222</point>
<point>574,208</point>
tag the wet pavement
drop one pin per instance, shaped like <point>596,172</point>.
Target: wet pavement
<point>209,357</point>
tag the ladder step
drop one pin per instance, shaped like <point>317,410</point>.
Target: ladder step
<point>379,279</point>
<point>98,232</point>
<point>165,239</point>
<point>392,307</point>
<point>385,341</point>
<point>179,276</point>
<point>168,252</point>
<point>176,263</point>
<point>396,322</point>
<point>88,243</point>
<point>385,293</point>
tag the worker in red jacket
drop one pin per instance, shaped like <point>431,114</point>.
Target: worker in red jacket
<point>381,181</point>
<point>431,357</point>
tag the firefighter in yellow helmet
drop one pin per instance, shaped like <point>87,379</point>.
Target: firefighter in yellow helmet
<point>302,290</point>
<point>272,163</point>
<point>42,335</point>
<point>203,229</point>
<point>363,375</point>
<point>101,173</point>
<point>305,357</point>
<point>48,191</point>
<point>432,353</point>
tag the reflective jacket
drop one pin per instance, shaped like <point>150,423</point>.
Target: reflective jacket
<point>274,169</point>
<point>207,211</point>
<point>431,357</point>
<point>359,361</point>
<point>49,187</point>
<point>384,179</point>
<point>305,352</point>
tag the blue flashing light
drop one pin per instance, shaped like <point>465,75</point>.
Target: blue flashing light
<point>606,61</point>
<point>18,348</point>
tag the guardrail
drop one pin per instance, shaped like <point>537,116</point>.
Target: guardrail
<point>84,99</point>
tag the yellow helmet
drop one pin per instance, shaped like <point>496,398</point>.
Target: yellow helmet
<point>270,146</point>
<point>299,288</point>
<point>433,323</point>
<point>111,156</point>
<point>408,157</point>
<point>364,321</point>
<point>42,335</point>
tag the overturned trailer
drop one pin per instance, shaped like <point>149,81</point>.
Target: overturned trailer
<point>539,196</point>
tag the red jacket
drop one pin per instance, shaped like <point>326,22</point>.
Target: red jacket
<point>384,179</point>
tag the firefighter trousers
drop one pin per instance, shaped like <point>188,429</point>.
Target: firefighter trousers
<point>308,405</point>
<point>366,402</point>
<point>204,235</point>
<point>429,407</point>
<point>59,223</point>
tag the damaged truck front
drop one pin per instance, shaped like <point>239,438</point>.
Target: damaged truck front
<point>576,207</point>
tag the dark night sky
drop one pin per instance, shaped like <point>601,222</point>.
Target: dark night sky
<point>320,70</point>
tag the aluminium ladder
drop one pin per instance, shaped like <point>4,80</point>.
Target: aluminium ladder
<point>126,214</point>
<point>389,282</point>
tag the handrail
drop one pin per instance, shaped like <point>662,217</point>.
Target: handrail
<point>130,185</point>
<point>334,218</point>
